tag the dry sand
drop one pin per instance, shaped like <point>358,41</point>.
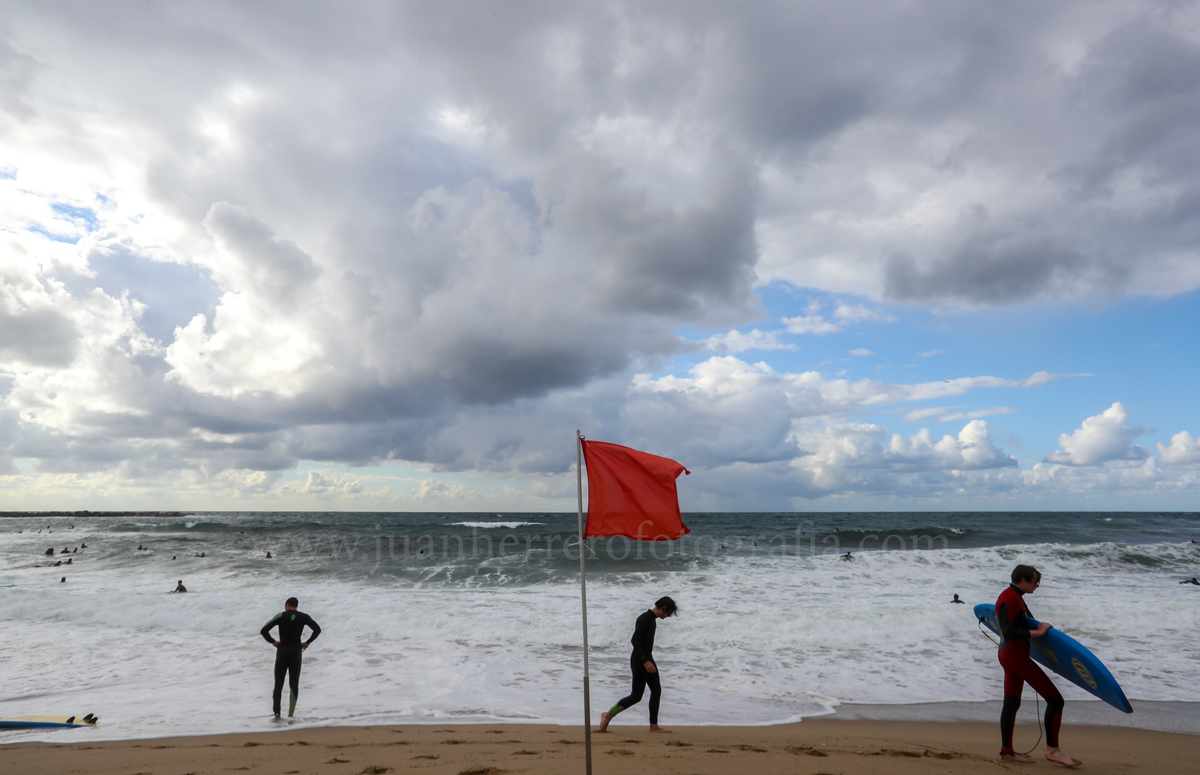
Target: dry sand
<point>810,747</point>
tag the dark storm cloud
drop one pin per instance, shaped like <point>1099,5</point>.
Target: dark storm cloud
<point>17,71</point>
<point>387,222</point>
<point>37,337</point>
<point>1000,269</point>
<point>1142,77</point>
<point>365,443</point>
<point>771,77</point>
<point>274,267</point>
<point>689,263</point>
<point>1120,168</point>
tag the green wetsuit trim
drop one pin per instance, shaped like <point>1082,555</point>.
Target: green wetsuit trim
<point>614,710</point>
<point>288,658</point>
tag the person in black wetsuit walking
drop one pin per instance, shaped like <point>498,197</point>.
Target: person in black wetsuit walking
<point>641,662</point>
<point>291,624</point>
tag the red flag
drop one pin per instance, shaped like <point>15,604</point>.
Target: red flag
<point>632,493</point>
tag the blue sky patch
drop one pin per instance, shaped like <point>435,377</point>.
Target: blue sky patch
<point>37,229</point>
<point>79,215</point>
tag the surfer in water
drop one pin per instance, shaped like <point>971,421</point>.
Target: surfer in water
<point>1193,580</point>
<point>641,662</point>
<point>291,624</point>
<point>180,587</point>
<point>956,600</point>
<point>1012,615</point>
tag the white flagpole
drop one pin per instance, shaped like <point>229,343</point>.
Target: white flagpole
<point>587,698</point>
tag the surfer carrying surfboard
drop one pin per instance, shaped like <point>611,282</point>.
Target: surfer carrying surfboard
<point>641,662</point>
<point>1012,616</point>
<point>291,624</point>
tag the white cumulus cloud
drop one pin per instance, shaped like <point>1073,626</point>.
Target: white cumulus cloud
<point>737,341</point>
<point>233,240</point>
<point>1183,450</point>
<point>944,414</point>
<point>1100,439</point>
<point>844,315</point>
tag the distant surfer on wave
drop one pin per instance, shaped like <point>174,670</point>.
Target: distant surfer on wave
<point>291,624</point>
<point>180,587</point>
<point>641,662</point>
<point>956,600</point>
<point>1193,580</point>
<point>1012,616</point>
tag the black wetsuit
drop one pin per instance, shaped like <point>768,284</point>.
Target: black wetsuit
<point>643,652</point>
<point>287,659</point>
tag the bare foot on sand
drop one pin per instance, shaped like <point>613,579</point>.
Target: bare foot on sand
<point>1015,758</point>
<point>1057,756</point>
<point>604,719</point>
<point>657,728</point>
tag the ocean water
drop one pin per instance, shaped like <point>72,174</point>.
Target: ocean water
<point>473,618</point>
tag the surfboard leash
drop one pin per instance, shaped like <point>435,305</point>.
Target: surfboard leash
<point>1037,699</point>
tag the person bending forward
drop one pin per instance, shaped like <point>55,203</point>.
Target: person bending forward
<point>641,662</point>
<point>291,624</point>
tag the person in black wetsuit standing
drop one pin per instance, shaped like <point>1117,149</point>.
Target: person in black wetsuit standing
<point>641,662</point>
<point>291,624</point>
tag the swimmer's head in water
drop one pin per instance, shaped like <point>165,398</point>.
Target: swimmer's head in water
<point>1026,573</point>
<point>292,603</point>
<point>667,606</point>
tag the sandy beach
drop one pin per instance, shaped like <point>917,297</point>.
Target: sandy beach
<point>810,747</point>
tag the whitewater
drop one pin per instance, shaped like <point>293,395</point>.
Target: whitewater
<point>472,618</point>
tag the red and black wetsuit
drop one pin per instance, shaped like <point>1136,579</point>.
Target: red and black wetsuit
<point>1012,615</point>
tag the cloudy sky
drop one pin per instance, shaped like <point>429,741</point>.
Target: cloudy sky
<point>373,255</point>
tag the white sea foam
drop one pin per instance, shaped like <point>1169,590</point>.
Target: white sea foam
<point>506,525</point>
<point>760,639</point>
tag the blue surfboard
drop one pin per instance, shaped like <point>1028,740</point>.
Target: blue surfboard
<point>39,722</point>
<point>1067,657</point>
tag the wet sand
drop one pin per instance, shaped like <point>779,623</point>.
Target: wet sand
<point>811,747</point>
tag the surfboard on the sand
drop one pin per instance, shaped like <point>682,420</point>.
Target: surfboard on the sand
<point>1067,657</point>
<point>33,722</point>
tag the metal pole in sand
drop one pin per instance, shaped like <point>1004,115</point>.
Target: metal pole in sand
<point>587,698</point>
